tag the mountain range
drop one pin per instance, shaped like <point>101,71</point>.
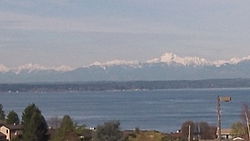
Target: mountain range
<point>166,67</point>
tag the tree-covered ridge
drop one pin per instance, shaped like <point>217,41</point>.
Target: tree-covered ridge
<point>126,85</point>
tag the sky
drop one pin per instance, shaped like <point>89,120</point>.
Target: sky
<point>80,32</point>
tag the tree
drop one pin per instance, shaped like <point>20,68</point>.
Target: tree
<point>40,128</point>
<point>2,115</point>
<point>110,131</point>
<point>238,129</point>
<point>54,122</point>
<point>16,139</point>
<point>245,115</point>
<point>12,118</point>
<point>207,131</point>
<point>70,131</point>
<point>185,129</point>
<point>66,131</point>
<point>81,131</point>
<point>245,112</point>
<point>201,129</point>
<point>67,124</point>
<point>35,126</point>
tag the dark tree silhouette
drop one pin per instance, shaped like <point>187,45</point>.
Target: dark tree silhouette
<point>35,126</point>
<point>109,131</point>
<point>12,118</point>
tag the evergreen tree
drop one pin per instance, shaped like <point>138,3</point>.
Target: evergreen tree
<point>2,115</point>
<point>67,124</point>
<point>12,118</point>
<point>66,131</point>
<point>39,125</point>
<point>35,126</point>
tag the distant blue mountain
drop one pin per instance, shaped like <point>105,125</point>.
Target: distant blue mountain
<point>155,71</point>
<point>171,67</point>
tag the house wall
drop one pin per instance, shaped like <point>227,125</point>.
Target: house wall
<point>5,131</point>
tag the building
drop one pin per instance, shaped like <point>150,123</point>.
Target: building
<point>226,134</point>
<point>2,137</point>
<point>8,132</point>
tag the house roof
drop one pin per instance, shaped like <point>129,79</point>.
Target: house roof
<point>176,134</point>
<point>2,122</point>
<point>238,139</point>
<point>15,127</point>
<point>225,131</point>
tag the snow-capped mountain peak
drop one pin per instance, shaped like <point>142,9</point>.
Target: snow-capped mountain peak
<point>173,58</point>
<point>62,68</point>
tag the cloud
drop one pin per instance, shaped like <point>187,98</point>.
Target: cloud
<point>32,3</point>
<point>61,2</point>
<point>16,21</point>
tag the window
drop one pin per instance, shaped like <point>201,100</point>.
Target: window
<point>7,131</point>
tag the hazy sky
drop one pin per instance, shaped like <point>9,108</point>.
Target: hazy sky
<point>80,32</point>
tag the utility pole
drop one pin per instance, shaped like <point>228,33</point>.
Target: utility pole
<point>248,130</point>
<point>218,119</point>
<point>219,99</point>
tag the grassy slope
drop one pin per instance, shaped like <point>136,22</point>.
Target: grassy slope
<point>147,136</point>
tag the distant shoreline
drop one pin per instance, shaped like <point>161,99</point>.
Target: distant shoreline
<point>72,92</point>
<point>126,85</point>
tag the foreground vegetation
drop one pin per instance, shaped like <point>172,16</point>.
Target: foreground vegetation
<point>36,128</point>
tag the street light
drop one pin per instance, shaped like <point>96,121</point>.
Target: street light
<point>219,99</point>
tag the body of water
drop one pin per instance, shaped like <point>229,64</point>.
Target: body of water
<point>163,110</point>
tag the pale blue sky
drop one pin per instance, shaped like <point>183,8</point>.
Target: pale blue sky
<point>80,32</point>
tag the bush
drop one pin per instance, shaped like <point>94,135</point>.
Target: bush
<point>109,131</point>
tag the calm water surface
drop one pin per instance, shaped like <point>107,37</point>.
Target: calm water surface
<point>163,110</point>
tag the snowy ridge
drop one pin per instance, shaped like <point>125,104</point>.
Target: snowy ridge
<point>3,68</point>
<point>29,68</point>
<point>62,68</point>
<point>234,60</point>
<point>34,67</point>
<point>167,58</point>
<point>114,63</point>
